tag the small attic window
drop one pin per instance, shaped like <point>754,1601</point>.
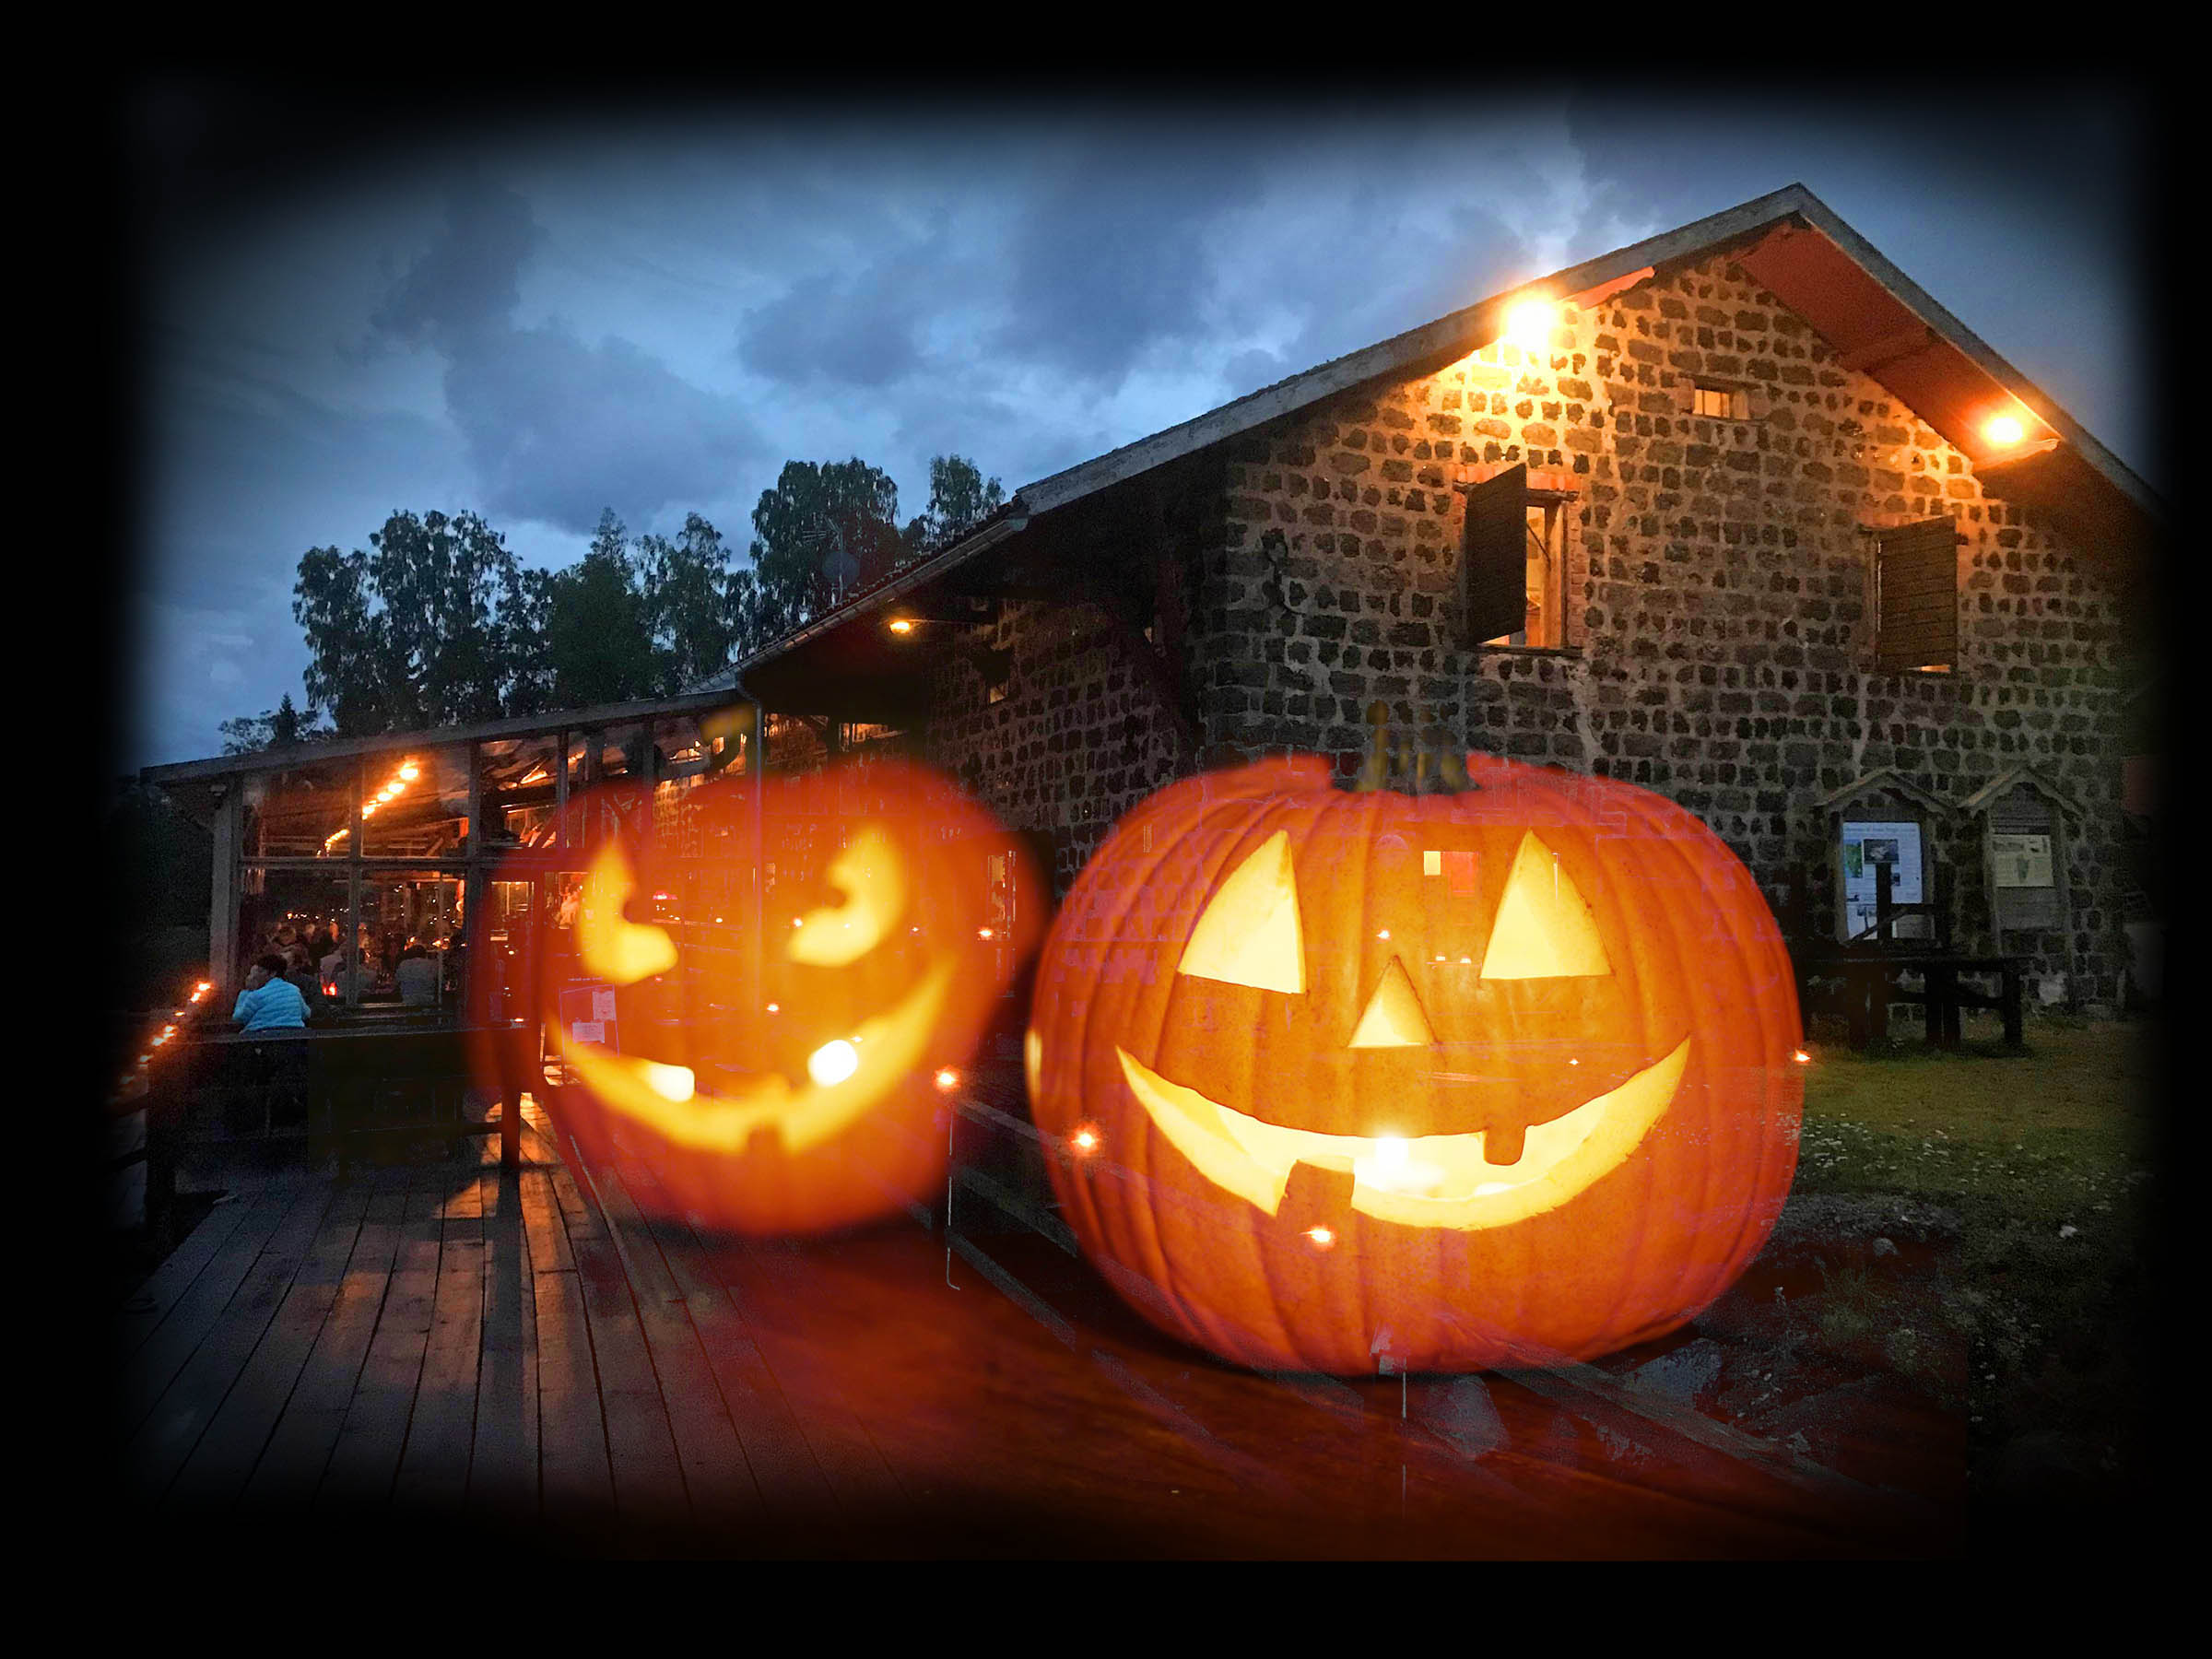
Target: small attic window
<point>1722,403</point>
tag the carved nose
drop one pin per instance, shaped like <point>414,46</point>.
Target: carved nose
<point>1393,1017</point>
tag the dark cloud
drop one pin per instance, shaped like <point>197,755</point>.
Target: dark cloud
<point>557,428</point>
<point>857,330</point>
<point>1113,256</point>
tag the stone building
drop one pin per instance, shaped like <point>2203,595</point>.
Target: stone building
<point>1728,513</point>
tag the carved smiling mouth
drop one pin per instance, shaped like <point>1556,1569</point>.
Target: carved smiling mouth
<point>1421,1181</point>
<point>886,1050</point>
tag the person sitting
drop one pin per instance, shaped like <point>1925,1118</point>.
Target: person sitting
<point>302,972</point>
<point>342,972</point>
<point>270,1002</point>
<point>417,978</point>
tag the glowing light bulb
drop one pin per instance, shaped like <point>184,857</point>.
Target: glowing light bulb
<point>1086,1138</point>
<point>2004,432</point>
<point>1323,1238</point>
<point>1529,323</point>
<point>948,1077</point>
<point>1801,1057</point>
<point>833,1063</point>
<point>410,772</point>
<point>903,625</point>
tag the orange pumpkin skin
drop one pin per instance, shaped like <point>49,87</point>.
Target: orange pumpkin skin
<point>924,986</point>
<point>1679,1014</point>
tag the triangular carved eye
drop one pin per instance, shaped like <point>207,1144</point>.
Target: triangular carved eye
<point>1393,1017</point>
<point>1544,929</point>
<point>610,945</point>
<point>1249,935</point>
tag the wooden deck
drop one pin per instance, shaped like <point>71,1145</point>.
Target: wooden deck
<point>445,1353</point>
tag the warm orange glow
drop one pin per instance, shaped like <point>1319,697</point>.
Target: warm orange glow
<point>1323,1238</point>
<point>1249,933</point>
<point>2004,432</point>
<point>833,1063</point>
<point>410,772</point>
<point>1530,322</point>
<point>903,625</point>
<point>1543,928</point>
<point>1086,1138</point>
<point>1801,1057</point>
<point>862,1076</point>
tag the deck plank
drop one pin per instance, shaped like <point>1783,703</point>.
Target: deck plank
<point>223,1462</point>
<point>291,1468</point>
<point>502,1480</point>
<point>648,1473</point>
<point>433,1471</point>
<point>365,1461</point>
<point>142,1315</point>
<point>717,1473</point>
<point>174,1426</point>
<point>788,1476</point>
<point>577,1486</point>
<point>167,1349</point>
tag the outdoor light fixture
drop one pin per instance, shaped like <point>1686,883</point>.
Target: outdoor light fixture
<point>2004,432</point>
<point>903,625</point>
<point>1530,321</point>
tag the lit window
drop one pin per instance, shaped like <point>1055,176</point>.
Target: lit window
<point>1720,403</point>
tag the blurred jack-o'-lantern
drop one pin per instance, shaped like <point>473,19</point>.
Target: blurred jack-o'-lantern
<point>1500,1072</point>
<point>792,1082</point>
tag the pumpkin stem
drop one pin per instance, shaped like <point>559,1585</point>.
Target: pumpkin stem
<point>1374,771</point>
<point>1423,763</point>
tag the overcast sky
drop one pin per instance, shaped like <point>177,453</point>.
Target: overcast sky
<point>654,308</point>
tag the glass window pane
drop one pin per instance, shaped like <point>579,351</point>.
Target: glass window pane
<point>413,944</point>
<point>519,784</point>
<point>619,763</point>
<point>303,812</point>
<point>417,803</point>
<point>300,915</point>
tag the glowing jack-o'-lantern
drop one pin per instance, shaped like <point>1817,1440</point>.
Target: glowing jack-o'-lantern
<point>1500,1074</point>
<point>795,1082</point>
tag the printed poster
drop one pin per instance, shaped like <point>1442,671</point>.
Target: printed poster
<point>1867,845</point>
<point>2021,861</point>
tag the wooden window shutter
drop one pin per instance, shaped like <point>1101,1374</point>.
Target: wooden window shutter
<point>1917,580</point>
<point>1493,568</point>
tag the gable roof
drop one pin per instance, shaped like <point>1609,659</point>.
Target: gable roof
<point>1888,779</point>
<point>1876,318</point>
<point>2004,783</point>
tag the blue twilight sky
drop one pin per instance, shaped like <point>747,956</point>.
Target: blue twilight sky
<point>650,299</point>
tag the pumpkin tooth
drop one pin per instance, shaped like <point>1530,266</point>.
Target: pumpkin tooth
<point>1241,1153</point>
<point>1503,1143</point>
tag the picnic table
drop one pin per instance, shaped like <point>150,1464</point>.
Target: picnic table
<point>1870,986</point>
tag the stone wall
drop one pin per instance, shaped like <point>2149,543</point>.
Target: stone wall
<point>1719,626</point>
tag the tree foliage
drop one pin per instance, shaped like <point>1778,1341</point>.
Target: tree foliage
<point>438,623</point>
<point>960,499</point>
<point>411,634</point>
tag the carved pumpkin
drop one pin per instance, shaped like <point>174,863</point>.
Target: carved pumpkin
<point>812,1097</point>
<point>1451,1080</point>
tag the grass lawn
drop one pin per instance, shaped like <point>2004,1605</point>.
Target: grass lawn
<point>2046,1159</point>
